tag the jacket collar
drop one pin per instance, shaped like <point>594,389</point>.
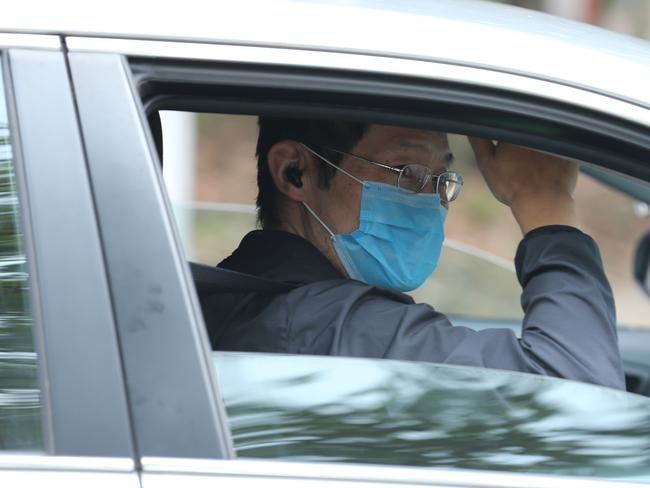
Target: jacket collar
<point>281,256</point>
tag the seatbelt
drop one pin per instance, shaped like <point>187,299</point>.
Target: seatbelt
<point>210,279</point>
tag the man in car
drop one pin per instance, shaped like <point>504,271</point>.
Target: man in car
<point>353,216</point>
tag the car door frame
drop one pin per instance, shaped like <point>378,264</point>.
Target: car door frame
<point>119,143</point>
<point>84,410</point>
<point>170,380</point>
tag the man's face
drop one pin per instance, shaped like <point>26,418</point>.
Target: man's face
<point>339,204</point>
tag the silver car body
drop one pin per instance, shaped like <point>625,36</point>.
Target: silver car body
<point>482,44</point>
<point>456,32</point>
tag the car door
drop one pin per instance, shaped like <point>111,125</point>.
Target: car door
<point>64,417</point>
<point>180,425</point>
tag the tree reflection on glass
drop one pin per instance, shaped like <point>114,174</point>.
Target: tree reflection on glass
<point>20,425</point>
<point>377,411</point>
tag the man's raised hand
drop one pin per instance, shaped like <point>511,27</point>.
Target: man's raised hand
<point>537,187</point>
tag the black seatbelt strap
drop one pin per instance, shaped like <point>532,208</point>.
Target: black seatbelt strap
<point>209,279</point>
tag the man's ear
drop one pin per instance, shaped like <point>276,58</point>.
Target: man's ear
<point>289,169</point>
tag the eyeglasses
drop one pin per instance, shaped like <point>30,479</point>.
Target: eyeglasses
<point>417,178</point>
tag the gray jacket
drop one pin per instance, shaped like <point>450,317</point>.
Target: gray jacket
<point>568,330</point>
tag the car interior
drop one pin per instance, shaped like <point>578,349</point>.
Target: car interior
<point>613,149</point>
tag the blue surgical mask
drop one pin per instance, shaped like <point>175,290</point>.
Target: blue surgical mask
<point>399,239</point>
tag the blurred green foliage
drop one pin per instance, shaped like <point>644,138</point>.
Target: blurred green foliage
<point>20,412</point>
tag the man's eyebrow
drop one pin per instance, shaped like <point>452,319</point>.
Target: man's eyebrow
<point>448,159</point>
<point>415,145</point>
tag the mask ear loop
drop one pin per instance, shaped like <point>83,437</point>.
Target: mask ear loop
<point>336,168</point>
<point>331,163</point>
<point>318,219</point>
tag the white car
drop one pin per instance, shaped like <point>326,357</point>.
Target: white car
<point>106,376</point>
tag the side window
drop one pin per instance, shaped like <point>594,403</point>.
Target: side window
<point>20,424</point>
<point>213,193</point>
<point>389,412</point>
<point>213,190</point>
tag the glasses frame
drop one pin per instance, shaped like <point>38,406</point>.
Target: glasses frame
<point>456,177</point>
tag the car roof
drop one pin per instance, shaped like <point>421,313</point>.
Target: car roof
<point>463,32</point>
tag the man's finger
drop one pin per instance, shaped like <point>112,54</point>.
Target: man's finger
<point>483,148</point>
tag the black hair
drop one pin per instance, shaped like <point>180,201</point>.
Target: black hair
<point>318,135</point>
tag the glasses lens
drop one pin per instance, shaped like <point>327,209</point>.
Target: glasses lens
<point>414,178</point>
<point>419,179</point>
<point>449,185</point>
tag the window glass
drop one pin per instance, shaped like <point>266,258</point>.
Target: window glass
<point>20,421</point>
<point>310,408</point>
<point>210,170</point>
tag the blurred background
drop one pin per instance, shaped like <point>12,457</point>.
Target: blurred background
<point>626,16</point>
<point>214,200</point>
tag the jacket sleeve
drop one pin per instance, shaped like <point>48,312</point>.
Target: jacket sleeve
<point>568,330</point>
